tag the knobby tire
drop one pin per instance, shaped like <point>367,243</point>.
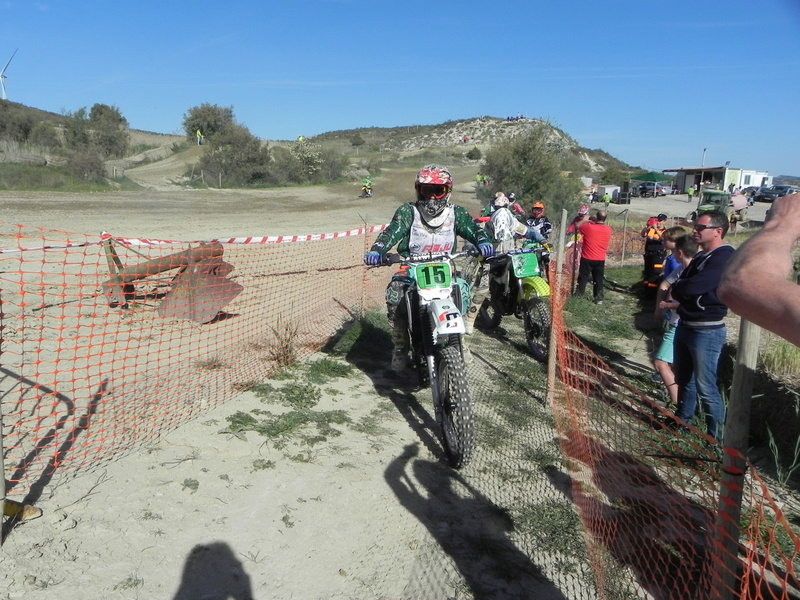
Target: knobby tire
<point>537,328</point>
<point>458,432</point>
<point>490,314</point>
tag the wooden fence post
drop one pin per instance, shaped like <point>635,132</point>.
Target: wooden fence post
<point>727,575</point>
<point>558,285</point>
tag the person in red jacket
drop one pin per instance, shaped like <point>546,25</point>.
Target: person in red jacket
<point>596,237</point>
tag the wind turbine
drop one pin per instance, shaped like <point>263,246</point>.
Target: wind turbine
<point>3,75</point>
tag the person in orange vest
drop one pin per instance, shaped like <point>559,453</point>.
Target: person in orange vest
<point>654,253</point>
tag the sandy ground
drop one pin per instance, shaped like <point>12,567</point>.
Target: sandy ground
<point>209,515</point>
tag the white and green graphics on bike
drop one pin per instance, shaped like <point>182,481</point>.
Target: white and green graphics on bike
<point>434,285</point>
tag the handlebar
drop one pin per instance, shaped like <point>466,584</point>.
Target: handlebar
<point>501,255</point>
<point>396,259</point>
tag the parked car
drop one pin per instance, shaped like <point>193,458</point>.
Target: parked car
<point>652,188</point>
<point>775,191</point>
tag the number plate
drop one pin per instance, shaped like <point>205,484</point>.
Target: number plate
<point>525,265</point>
<point>432,276</point>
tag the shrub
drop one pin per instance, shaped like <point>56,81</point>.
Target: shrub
<point>474,154</point>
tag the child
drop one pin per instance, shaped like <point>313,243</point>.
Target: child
<point>684,250</point>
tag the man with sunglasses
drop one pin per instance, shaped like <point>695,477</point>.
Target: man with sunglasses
<point>701,335</point>
<point>429,225</point>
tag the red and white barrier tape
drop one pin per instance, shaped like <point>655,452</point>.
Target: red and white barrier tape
<point>271,239</point>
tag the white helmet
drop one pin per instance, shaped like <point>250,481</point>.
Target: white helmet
<point>501,225</point>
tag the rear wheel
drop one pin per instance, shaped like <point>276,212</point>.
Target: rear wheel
<point>537,328</point>
<point>457,421</point>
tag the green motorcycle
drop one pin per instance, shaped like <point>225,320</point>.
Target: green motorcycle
<point>516,287</point>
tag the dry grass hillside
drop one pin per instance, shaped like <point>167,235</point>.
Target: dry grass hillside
<point>483,132</point>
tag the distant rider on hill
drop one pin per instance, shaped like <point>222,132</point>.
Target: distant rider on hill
<point>429,225</point>
<point>366,186</point>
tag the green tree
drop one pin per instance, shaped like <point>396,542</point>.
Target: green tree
<point>236,158</point>
<point>77,135</point>
<point>102,115</point>
<point>309,156</point>
<point>285,167</point>
<point>109,131</point>
<point>615,176</point>
<point>15,123</point>
<point>357,141</point>
<point>210,119</point>
<point>532,166</point>
<point>45,135</point>
<point>86,165</point>
<point>474,153</point>
<point>101,131</point>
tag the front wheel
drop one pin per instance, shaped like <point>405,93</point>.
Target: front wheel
<point>691,217</point>
<point>490,314</point>
<point>458,430</point>
<point>537,328</point>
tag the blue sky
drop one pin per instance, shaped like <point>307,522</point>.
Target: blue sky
<point>652,82</point>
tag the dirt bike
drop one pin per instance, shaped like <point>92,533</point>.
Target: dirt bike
<point>434,304</point>
<point>516,287</point>
<point>366,191</point>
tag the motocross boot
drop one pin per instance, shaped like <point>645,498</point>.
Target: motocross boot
<point>400,345</point>
<point>479,294</point>
<point>465,351</point>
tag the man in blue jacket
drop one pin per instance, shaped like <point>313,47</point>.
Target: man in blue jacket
<point>701,335</point>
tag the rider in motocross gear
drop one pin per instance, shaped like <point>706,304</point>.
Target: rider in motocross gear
<point>366,186</point>
<point>540,222</point>
<point>429,225</point>
<point>502,201</point>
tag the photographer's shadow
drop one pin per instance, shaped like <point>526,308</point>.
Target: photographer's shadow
<point>212,571</point>
<point>470,529</point>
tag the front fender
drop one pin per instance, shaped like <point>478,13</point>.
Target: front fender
<point>535,286</point>
<point>446,317</point>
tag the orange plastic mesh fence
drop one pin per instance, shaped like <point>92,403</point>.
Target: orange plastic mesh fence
<point>648,495</point>
<point>89,368</point>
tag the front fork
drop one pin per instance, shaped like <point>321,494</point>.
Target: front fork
<point>430,363</point>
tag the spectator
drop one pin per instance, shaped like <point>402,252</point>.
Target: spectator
<point>580,219</point>
<point>654,252</point>
<point>701,335</point>
<point>754,284</point>
<point>596,237</point>
<point>669,237</point>
<point>666,312</point>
